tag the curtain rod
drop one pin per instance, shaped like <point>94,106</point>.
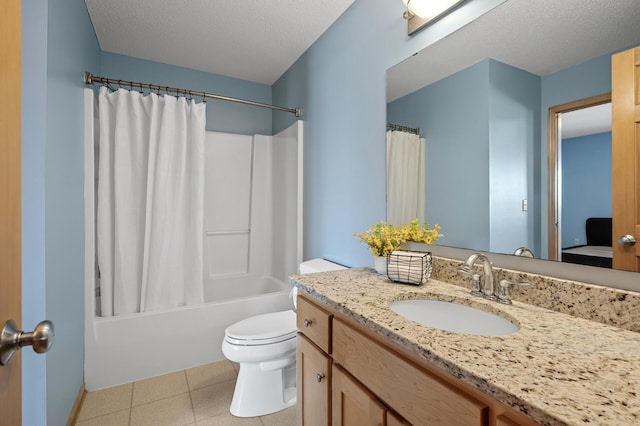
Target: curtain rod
<point>415,131</point>
<point>90,79</point>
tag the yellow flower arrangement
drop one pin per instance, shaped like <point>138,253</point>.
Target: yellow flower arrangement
<point>383,238</point>
<point>420,233</point>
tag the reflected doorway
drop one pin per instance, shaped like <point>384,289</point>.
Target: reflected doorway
<point>584,126</point>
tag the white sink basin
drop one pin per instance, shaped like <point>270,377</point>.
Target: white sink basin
<point>454,317</point>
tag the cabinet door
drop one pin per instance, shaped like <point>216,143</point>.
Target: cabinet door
<point>395,420</point>
<point>502,420</point>
<point>351,403</point>
<point>313,387</point>
<point>412,392</point>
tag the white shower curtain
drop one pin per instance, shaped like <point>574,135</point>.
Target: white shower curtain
<point>150,201</point>
<point>405,177</point>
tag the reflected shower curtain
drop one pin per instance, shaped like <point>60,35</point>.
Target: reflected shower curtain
<point>405,177</point>
<point>150,201</point>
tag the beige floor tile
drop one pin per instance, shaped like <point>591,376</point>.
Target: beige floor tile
<point>227,419</point>
<point>160,387</point>
<point>174,411</point>
<point>212,400</point>
<point>120,418</point>
<point>236,366</point>
<point>281,418</point>
<point>106,401</point>
<point>210,374</point>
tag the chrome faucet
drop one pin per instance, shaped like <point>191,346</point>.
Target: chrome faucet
<point>488,285</point>
<point>487,288</point>
<point>523,252</point>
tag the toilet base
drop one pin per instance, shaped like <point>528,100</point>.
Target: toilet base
<point>261,390</point>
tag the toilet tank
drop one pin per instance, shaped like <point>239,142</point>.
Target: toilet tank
<point>310,267</point>
<point>318,265</point>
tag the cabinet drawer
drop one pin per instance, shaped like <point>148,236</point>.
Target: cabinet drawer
<point>413,393</point>
<point>315,323</point>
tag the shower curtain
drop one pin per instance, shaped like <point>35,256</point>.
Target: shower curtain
<point>150,201</point>
<point>405,177</point>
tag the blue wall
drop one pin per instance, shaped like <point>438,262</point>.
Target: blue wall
<point>514,131</point>
<point>457,156</point>
<point>34,102</point>
<point>480,125</point>
<point>222,116</point>
<point>340,85</point>
<point>72,48</point>
<point>586,184</point>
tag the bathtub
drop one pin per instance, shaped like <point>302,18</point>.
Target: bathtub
<point>127,348</point>
<point>132,347</point>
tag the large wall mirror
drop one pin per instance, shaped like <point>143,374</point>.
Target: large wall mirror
<point>481,98</point>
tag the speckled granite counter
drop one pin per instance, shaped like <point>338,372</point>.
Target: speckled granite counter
<point>557,369</point>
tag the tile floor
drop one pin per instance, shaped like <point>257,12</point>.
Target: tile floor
<point>198,396</point>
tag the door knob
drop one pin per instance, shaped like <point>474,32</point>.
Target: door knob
<point>12,339</point>
<point>627,241</point>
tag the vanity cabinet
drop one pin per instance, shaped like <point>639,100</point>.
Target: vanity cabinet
<point>348,375</point>
<point>413,393</point>
<point>352,403</point>
<point>314,377</point>
<point>313,364</point>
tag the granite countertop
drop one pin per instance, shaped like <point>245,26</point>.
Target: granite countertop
<point>557,369</point>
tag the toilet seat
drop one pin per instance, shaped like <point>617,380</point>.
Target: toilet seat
<point>262,329</point>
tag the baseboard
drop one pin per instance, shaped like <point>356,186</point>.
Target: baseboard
<point>77,406</point>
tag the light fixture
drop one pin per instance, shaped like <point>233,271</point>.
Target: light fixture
<point>419,13</point>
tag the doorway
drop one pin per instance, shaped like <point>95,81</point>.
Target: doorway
<point>555,170</point>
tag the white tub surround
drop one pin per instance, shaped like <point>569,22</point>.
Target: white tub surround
<point>252,241</point>
<point>556,369</point>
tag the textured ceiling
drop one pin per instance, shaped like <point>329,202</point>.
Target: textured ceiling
<point>255,40</point>
<point>539,36</point>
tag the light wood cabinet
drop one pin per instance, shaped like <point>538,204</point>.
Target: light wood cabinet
<point>313,368</point>
<point>350,376</point>
<point>394,420</point>
<point>352,404</point>
<point>502,420</point>
<point>315,323</point>
<point>414,394</point>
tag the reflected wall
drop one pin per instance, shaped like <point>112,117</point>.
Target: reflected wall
<point>481,125</point>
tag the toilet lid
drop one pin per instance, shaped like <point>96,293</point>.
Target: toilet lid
<point>263,329</point>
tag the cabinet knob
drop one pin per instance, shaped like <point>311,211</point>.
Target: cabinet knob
<point>307,322</point>
<point>319,377</point>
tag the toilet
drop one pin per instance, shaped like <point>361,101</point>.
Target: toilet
<point>265,347</point>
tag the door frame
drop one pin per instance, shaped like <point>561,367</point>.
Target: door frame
<point>10,200</point>
<point>553,124</point>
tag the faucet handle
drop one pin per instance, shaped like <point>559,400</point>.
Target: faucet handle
<point>476,289</point>
<point>504,293</point>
